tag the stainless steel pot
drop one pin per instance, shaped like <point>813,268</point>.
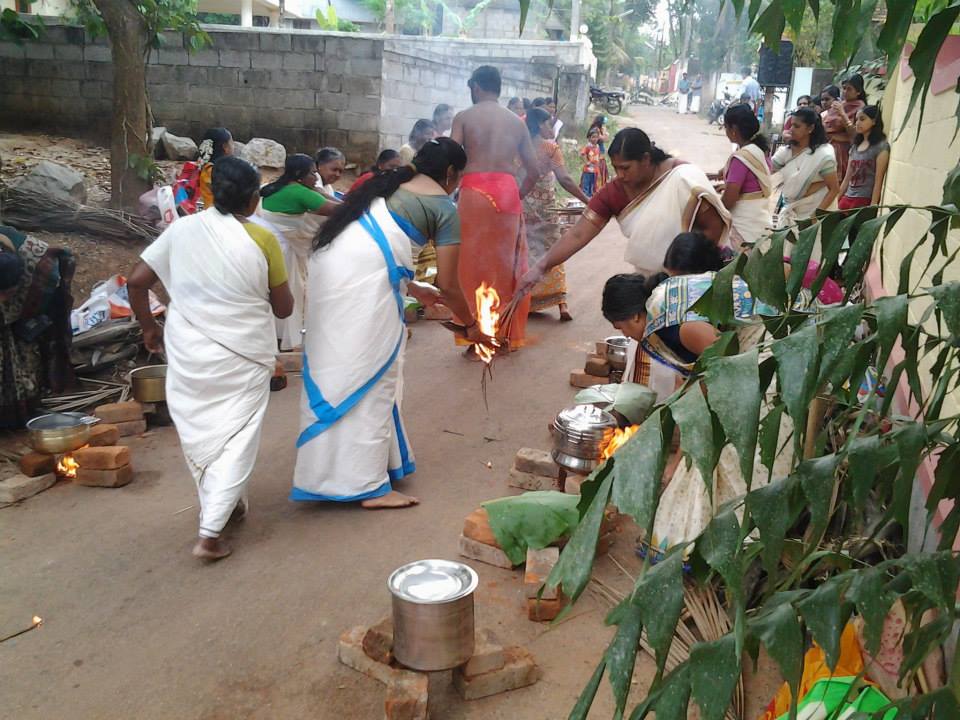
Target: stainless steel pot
<point>433,627</point>
<point>59,432</point>
<point>578,436</point>
<point>617,351</point>
<point>149,383</point>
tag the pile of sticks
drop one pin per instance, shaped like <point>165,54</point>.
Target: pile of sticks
<point>103,391</point>
<point>28,212</point>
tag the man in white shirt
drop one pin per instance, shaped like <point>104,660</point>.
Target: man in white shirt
<point>750,88</point>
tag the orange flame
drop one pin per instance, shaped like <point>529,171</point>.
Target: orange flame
<point>615,439</point>
<point>67,467</point>
<point>488,319</point>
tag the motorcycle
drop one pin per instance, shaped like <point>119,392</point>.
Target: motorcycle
<point>609,100</point>
<point>717,108</point>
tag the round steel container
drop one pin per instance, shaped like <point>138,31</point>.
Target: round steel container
<point>578,435</point>
<point>149,383</point>
<point>59,432</point>
<point>433,614</point>
<point>617,351</point>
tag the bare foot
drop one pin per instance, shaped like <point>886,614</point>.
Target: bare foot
<point>211,549</point>
<point>392,499</point>
<point>565,315</point>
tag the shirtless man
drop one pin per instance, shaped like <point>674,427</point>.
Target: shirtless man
<point>493,249</point>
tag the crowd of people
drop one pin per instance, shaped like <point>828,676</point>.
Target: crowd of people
<point>295,264</point>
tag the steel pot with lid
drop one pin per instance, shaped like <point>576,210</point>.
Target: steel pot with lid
<point>433,625</point>
<point>578,436</point>
<point>617,351</point>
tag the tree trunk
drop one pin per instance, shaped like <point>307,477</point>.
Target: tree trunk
<point>389,19</point>
<point>130,129</point>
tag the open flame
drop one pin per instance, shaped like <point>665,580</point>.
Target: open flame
<point>67,467</point>
<point>488,319</point>
<point>615,439</point>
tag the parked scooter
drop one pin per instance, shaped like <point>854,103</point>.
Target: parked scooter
<point>717,108</point>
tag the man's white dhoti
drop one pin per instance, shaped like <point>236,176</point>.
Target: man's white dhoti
<point>221,349</point>
<point>353,442</point>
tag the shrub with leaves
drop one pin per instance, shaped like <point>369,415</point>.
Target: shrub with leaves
<point>802,560</point>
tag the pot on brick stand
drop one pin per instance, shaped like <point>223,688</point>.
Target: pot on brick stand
<point>433,622</point>
<point>616,352</point>
<point>578,436</point>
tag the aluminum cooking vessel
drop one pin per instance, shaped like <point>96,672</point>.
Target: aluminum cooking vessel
<point>578,436</point>
<point>59,432</point>
<point>433,624</point>
<point>149,383</point>
<point>617,351</point>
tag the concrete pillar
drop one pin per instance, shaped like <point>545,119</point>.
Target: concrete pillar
<point>574,20</point>
<point>246,13</point>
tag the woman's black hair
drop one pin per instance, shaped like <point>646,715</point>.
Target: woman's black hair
<point>328,154</point>
<point>11,269</point>
<point>434,160</point>
<point>295,169</point>
<point>539,102</point>
<point>808,97</point>
<point>856,82</point>
<point>219,137</point>
<point>877,135</point>
<point>233,181</point>
<point>419,129</point>
<point>385,156</point>
<point>598,122</point>
<point>527,104</point>
<point>831,90</point>
<point>745,121</point>
<point>809,116</point>
<point>634,144</point>
<point>625,296</point>
<point>691,253</point>
<point>535,118</point>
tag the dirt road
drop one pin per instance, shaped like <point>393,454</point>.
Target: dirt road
<point>135,628</point>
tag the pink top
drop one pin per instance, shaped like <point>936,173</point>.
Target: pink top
<point>739,174</point>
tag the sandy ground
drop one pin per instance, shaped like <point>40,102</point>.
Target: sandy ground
<point>134,627</point>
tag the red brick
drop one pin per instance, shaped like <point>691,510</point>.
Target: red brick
<point>601,349</point>
<point>572,484</point>
<point>476,526</point>
<point>484,553</point>
<point>596,367</point>
<point>529,481</point>
<point>34,464</point>
<point>350,653</point>
<point>538,567</point>
<point>120,412</point>
<point>546,610</point>
<point>605,543</point>
<point>580,379</point>
<point>536,462</point>
<point>488,655</point>
<point>104,478</point>
<point>519,670</point>
<point>134,427</point>
<point>104,434</point>
<point>108,457</point>
<point>407,696</point>
<point>378,641</point>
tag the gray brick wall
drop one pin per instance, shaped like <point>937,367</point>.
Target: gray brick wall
<point>304,89</point>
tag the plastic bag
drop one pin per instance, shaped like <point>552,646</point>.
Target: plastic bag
<point>108,300</point>
<point>166,205</point>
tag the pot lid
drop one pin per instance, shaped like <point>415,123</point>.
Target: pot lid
<point>428,582</point>
<point>584,418</point>
<point>618,341</point>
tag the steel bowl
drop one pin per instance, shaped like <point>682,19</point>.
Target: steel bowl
<point>578,436</point>
<point>433,623</point>
<point>617,346</point>
<point>59,432</point>
<point>149,383</point>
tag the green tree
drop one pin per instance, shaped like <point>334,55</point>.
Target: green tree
<point>134,28</point>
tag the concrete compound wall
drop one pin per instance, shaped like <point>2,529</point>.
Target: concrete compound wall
<point>304,89</point>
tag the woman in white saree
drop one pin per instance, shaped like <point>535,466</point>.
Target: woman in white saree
<point>808,167</point>
<point>226,280</point>
<point>654,197</point>
<point>295,210</point>
<point>747,181</point>
<point>353,444</point>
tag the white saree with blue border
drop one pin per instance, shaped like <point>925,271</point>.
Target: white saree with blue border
<point>352,442</point>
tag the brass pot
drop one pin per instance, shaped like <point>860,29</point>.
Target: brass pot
<point>59,432</point>
<point>149,383</point>
<point>433,623</point>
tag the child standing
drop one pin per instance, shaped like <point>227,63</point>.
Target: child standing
<point>869,155</point>
<point>591,162</point>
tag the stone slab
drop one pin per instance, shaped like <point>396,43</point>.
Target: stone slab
<point>20,487</point>
<point>529,481</point>
<point>537,462</point>
<point>484,553</point>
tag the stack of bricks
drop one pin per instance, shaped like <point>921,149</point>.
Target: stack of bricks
<point>477,542</point>
<point>534,470</point>
<point>128,417</point>
<point>596,370</point>
<point>104,466</point>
